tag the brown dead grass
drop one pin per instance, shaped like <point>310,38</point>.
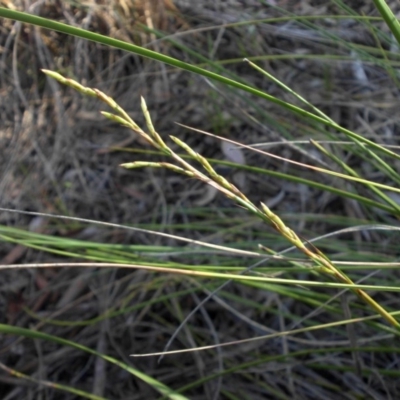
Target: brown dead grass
<point>58,156</point>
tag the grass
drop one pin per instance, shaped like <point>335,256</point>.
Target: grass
<point>298,302</point>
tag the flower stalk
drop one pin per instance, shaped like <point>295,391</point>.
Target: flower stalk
<point>211,177</point>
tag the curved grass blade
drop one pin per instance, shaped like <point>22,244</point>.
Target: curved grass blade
<point>155,384</point>
<point>95,37</point>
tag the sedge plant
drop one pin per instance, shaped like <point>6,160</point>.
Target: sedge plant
<point>207,174</point>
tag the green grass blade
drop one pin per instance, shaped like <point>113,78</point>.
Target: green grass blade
<point>95,37</point>
<point>158,386</point>
<point>389,18</point>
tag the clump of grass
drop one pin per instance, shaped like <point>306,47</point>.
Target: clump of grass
<point>261,280</point>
